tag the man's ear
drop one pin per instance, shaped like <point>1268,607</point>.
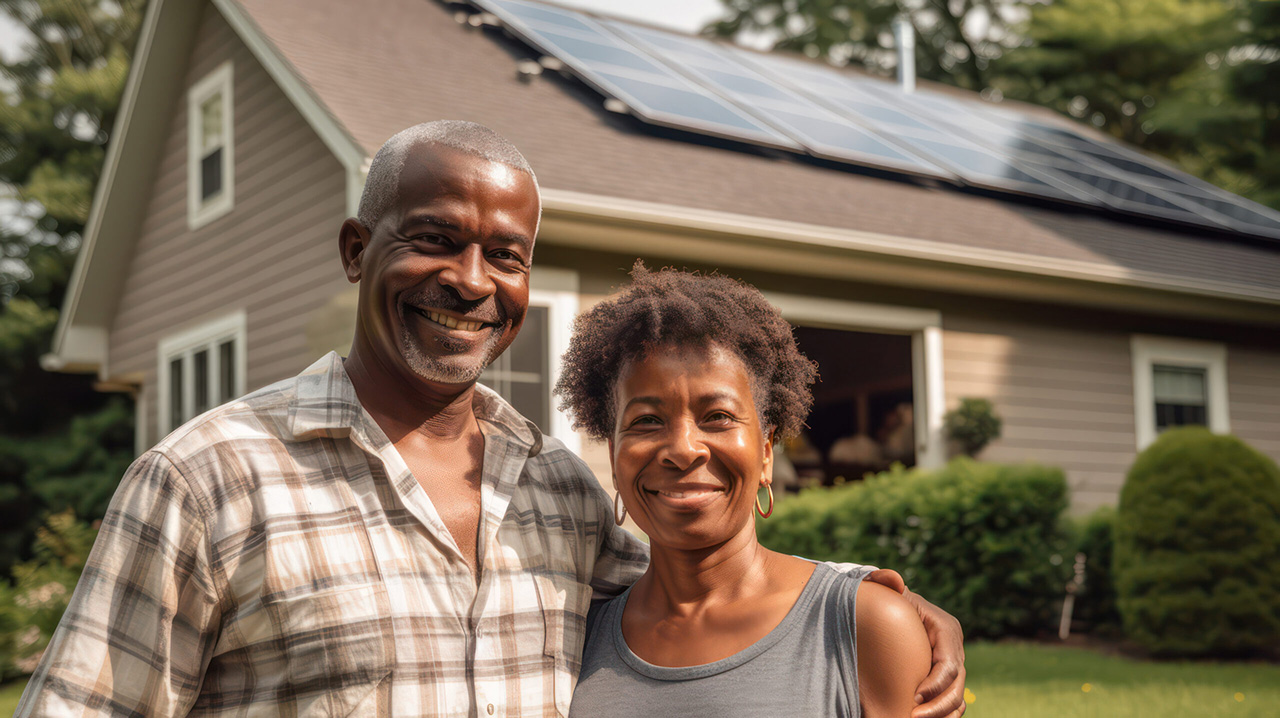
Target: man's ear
<point>353,240</point>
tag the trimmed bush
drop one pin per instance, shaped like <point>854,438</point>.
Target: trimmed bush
<point>983,541</point>
<point>972,425</point>
<point>1197,551</point>
<point>1096,603</point>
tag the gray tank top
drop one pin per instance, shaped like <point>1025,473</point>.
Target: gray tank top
<point>806,666</point>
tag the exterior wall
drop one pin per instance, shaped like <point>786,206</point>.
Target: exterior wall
<point>1253,390</point>
<point>274,255</point>
<point>1065,395</point>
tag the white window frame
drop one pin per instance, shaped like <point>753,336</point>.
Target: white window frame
<point>208,335</point>
<point>924,326</point>
<point>201,211</point>
<point>556,288</point>
<point>1150,351</point>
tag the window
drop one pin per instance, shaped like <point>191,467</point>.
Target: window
<point>200,369</point>
<point>1178,383</point>
<point>527,371</point>
<point>210,190</point>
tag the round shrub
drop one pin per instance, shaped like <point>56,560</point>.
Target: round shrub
<point>973,425</point>
<point>1197,548</point>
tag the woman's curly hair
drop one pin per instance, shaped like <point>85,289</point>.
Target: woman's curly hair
<point>677,308</point>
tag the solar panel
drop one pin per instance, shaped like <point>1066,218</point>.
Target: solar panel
<point>695,84</point>
<point>649,88</point>
<point>823,132</point>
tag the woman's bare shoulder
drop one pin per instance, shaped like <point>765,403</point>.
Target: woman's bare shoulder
<point>893,651</point>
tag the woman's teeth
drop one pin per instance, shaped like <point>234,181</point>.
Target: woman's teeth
<point>453,323</point>
<point>686,494</point>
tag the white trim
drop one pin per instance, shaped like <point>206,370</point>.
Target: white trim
<point>202,211</point>
<point>325,125</point>
<point>184,344</point>
<point>1148,351</point>
<point>925,328</point>
<point>557,289</point>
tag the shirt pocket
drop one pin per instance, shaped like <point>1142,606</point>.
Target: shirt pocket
<point>332,615</point>
<point>564,602</point>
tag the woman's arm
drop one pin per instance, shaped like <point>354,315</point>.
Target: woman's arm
<point>893,652</point>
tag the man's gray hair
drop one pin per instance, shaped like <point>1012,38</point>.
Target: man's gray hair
<point>383,183</point>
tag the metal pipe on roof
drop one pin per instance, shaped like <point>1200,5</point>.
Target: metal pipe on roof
<point>904,36</point>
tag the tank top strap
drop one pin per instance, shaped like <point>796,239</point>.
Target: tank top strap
<point>840,608</point>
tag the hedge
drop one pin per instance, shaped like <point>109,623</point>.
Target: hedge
<point>983,541</point>
<point>1197,554</point>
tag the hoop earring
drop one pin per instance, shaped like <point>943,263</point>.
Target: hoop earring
<point>765,514</point>
<point>618,519</point>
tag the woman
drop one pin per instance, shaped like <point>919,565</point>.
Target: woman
<point>691,379</point>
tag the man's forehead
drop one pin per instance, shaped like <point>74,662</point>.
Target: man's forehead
<point>431,165</point>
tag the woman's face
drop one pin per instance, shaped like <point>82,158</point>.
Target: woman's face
<point>688,451</point>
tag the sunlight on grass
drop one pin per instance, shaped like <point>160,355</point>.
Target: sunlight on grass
<point>1013,680</point>
<point>9,695</point>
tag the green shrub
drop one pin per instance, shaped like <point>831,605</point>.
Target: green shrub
<point>972,425</point>
<point>1096,603</point>
<point>1197,550</point>
<point>31,608</point>
<point>983,541</point>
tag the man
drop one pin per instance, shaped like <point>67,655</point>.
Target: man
<point>379,536</point>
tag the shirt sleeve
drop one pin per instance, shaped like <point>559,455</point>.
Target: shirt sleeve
<point>140,629</point>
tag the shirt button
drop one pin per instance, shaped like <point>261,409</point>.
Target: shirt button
<point>490,709</point>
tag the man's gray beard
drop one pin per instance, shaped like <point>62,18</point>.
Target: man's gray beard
<point>433,369</point>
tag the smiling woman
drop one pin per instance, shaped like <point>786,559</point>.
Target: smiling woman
<point>691,379</point>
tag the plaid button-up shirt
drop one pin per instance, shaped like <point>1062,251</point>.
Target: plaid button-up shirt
<point>276,557</point>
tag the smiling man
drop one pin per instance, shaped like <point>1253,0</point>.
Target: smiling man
<point>380,535</point>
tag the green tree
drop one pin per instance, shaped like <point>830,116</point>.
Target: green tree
<point>1192,80</point>
<point>957,39</point>
<point>58,102</point>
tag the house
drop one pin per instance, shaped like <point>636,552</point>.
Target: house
<point>210,267</point>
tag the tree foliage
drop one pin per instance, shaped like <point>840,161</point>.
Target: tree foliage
<point>61,443</point>
<point>958,38</point>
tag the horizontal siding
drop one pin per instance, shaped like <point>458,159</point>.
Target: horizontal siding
<point>274,255</point>
<point>1253,385</point>
<point>1066,397</point>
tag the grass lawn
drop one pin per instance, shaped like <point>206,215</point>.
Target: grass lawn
<point>9,695</point>
<point>1016,680</point>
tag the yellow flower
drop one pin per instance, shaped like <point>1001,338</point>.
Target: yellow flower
<point>1239,698</point>
<point>1087,687</point>
<point>969,697</point>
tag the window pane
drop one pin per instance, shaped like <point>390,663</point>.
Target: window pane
<point>521,375</point>
<point>1169,416</point>
<point>211,123</point>
<point>200,372</point>
<point>1179,385</point>
<point>211,174</point>
<point>175,393</point>
<point>227,365</point>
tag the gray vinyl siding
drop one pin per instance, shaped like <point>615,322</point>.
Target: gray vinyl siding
<point>274,255</point>
<point>1066,397</point>
<point>1253,389</point>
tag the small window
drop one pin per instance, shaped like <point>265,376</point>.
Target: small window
<point>209,148</point>
<point>522,374</point>
<point>1181,396</point>
<point>201,368</point>
<point>1178,383</point>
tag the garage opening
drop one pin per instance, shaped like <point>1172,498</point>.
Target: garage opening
<point>863,417</point>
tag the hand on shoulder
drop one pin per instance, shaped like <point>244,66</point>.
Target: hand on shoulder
<point>893,652</point>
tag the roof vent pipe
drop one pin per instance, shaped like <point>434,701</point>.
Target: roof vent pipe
<point>904,36</point>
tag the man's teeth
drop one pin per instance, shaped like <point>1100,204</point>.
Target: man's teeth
<point>453,323</point>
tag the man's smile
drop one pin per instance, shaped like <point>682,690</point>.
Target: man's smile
<point>451,322</point>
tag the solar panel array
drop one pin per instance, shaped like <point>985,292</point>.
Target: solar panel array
<point>698,85</point>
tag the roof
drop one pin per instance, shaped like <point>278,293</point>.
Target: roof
<point>359,72</point>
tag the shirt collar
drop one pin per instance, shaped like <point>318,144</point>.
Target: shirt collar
<point>325,405</point>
